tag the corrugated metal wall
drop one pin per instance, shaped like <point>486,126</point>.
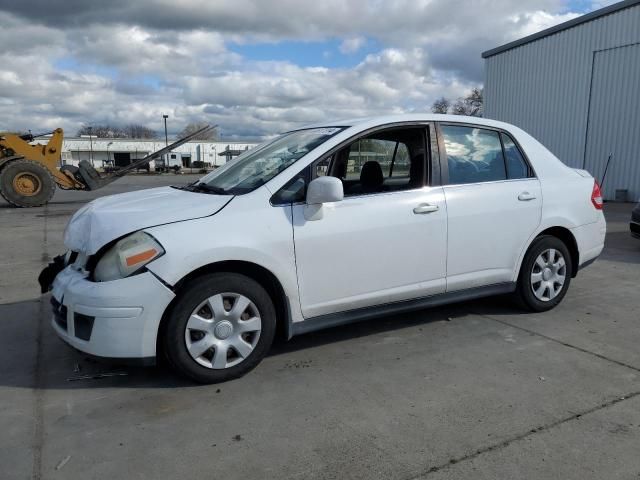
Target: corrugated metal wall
<point>545,87</point>
<point>614,119</point>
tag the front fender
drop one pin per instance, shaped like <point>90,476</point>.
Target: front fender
<point>241,232</point>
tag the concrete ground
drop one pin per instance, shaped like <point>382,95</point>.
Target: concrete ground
<point>477,390</point>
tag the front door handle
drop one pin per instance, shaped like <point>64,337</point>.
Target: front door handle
<point>425,208</point>
<point>526,196</point>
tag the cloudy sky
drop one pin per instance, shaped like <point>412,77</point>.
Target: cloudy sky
<point>257,67</point>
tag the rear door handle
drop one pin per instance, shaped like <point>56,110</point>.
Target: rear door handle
<point>425,208</point>
<point>526,196</point>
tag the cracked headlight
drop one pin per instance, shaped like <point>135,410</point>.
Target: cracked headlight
<point>127,257</point>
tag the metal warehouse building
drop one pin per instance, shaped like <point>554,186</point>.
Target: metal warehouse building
<point>122,151</point>
<point>576,88</point>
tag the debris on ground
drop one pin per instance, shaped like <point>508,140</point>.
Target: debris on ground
<point>94,376</point>
<point>63,462</point>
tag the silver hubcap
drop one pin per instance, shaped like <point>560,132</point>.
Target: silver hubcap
<point>223,330</point>
<point>548,275</point>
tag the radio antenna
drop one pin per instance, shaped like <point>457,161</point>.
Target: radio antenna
<point>606,167</point>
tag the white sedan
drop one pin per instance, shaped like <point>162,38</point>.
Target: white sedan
<point>323,226</point>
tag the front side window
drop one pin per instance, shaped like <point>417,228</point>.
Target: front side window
<point>473,154</point>
<point>256,167</point>
<point>392,156</point>
<point>385,161</point>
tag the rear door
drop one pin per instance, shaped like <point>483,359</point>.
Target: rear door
<point>494,204</point>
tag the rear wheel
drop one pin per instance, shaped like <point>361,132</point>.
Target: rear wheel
<point>24,183</point>
<point>221,327</point>
<point>545,274</point>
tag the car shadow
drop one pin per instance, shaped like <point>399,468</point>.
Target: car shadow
<point>621,247</point>
<point>396,322</point>
<point>32,356</point>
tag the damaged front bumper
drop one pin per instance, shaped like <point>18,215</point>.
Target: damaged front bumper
<point>49,273</point>
<point>116,319</point>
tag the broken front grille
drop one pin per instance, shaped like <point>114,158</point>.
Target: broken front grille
<point>59,313</point>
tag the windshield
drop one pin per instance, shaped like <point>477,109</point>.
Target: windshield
<point>256,167</point>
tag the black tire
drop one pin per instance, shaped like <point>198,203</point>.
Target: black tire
<point>525,292</point>
<point>33,174</point>
<point>173,341</point>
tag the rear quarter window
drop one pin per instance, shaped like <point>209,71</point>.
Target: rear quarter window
<point>516,165</point>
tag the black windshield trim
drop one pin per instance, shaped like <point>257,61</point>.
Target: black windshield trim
<point>197,187</point>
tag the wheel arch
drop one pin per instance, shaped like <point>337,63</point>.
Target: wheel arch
<point>256,272</point>
<point>4,161</point>
<point>563,234</point>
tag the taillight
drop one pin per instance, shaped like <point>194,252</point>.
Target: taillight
<point>596,196</point>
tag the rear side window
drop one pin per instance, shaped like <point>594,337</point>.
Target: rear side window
<point>473,154</point>
<point>516,165</point>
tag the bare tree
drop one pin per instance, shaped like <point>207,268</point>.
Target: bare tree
<point>101,131</point>
<point>109,131</point>
<point>441,105</point>
<point>471,105</point>
<point>194,127</point>
<point>134,130</point>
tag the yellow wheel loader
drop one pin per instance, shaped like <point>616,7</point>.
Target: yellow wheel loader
<point>29,173</point>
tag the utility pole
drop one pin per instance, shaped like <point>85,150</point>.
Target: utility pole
<point>166,138</point>
<point>108,157</point>
<point>165,160</point>
<point>90,144</point>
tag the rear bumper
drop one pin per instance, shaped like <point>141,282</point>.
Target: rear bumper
<point>590,240</point>
<point>117,319</point>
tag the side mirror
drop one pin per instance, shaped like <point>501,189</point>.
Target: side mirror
<point>323,190</point>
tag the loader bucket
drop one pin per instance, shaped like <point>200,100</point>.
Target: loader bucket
<point>90,176</point>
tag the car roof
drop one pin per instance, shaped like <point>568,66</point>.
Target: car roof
<point>543,161</point>
<point>370,122</point>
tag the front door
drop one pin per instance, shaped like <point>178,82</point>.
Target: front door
<point>386,241</point>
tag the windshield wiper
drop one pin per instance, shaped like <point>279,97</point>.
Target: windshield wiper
<point>204,188</point>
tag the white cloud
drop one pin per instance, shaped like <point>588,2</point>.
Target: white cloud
<point>66,63</point>
<point>352,44</point>
<point>533,22</point>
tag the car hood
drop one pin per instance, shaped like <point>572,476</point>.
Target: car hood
<point>108,218</point>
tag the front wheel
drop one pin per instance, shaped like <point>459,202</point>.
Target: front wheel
<point>545,274</point>
<point>25,183</point>
<point>220,328</point>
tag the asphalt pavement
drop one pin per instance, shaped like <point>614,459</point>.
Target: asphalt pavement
<point>478,390</point>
